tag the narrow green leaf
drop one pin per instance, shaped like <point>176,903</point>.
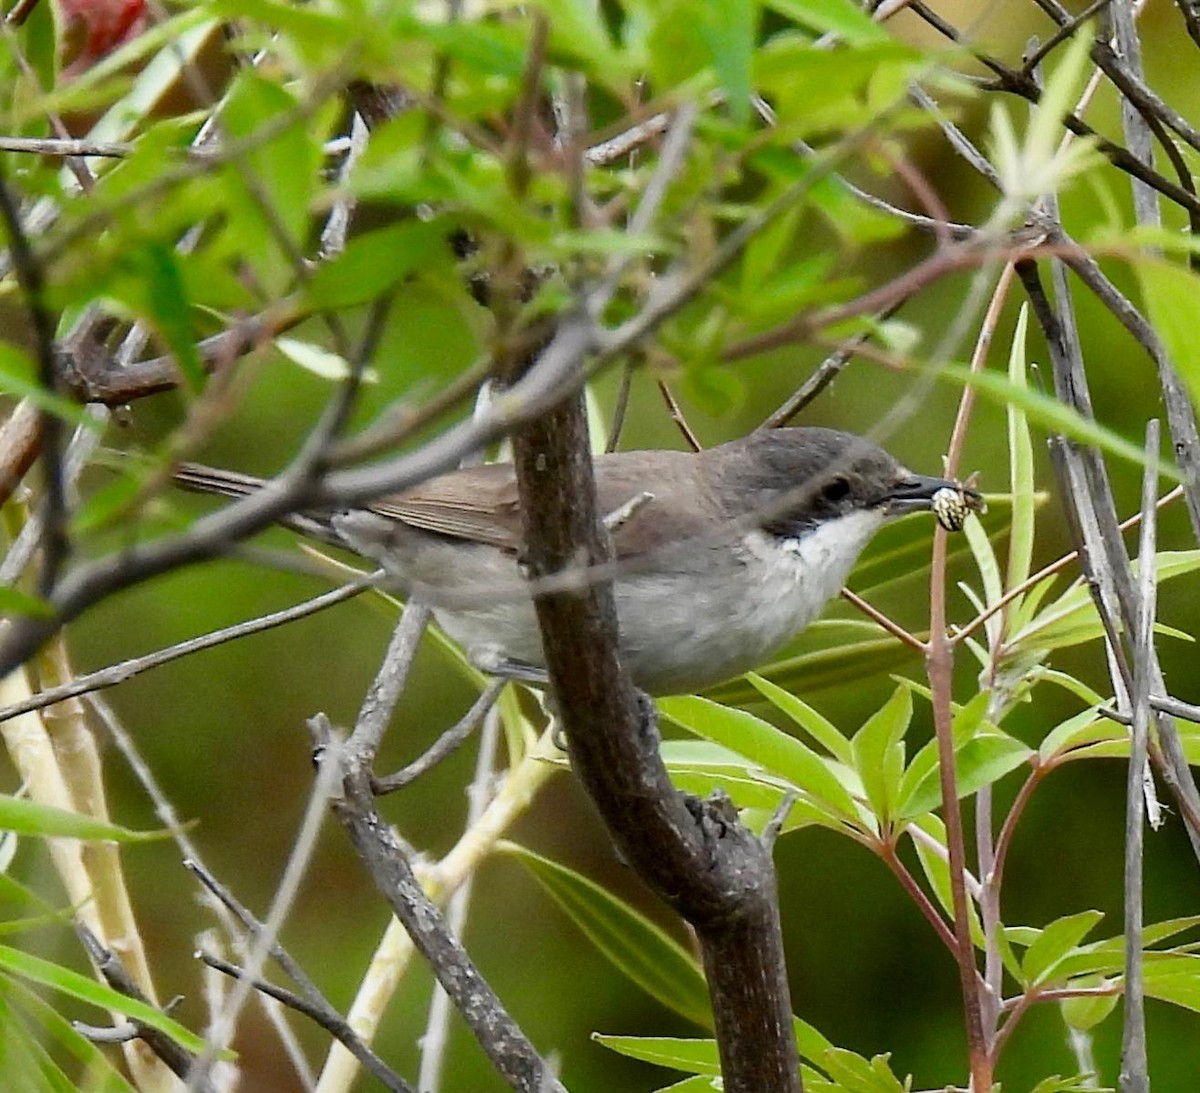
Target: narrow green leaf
<point>807,673</point>
<point>1170,293</point>
<point>1173,978</point>
<point>729,28</point>
<point>48,974</point>
<point>1078,1083</point>
<point>820,728</point>
<point>153,285</point>
<point>763,744</point>
<point>1020,458</point>
<point>635,945</point>
<point>376,261</point>
<point>989,571</point>
<point>690,1056</point>
<point>1080,729</point>
<point>851,1071</point>
<point>282,173</point>
<point>982,756</point>
<point>935,866</point>
<point>1054,943</point>
<point>566,244</point>
<point>33,818</point>
<point>1052,415</point>
<point>701,767</point>
<point>879,753</point>
<point>58,1029</point>
<point>577,30</point>
<point>1156,932</point>
<point>810,1041</point>
<point>840,17</point>
<point>15,601</point>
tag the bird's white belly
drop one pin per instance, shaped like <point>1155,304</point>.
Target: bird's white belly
<point>683,634</point>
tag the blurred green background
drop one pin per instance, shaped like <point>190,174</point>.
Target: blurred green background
<point>225,730</point>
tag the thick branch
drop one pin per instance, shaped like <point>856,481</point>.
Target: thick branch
<point>693,853</point>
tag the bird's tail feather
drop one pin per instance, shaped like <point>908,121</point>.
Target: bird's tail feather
<point>197,478</point>
<point>201,479</point>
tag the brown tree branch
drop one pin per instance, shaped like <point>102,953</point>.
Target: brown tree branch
<point>692,853</point>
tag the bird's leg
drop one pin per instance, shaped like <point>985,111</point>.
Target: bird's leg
<point>493,661</point>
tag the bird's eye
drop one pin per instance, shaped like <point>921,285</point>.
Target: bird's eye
<point>835,489</point>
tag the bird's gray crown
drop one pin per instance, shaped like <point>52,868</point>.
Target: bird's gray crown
<point>800,477</point>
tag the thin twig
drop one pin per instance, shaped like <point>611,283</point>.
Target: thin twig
<point>877,616</point>
<point>436,1038</point>
<point>1134,1076</point>
<point>127,669</point>
<point>177,1058</point>
<point>676,412</point>
<point>170,820</point>
<point>312,1003</point>
<point>225,1021</point>
<point>445,744</point>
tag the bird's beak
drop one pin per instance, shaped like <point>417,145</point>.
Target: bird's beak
<point>951,502</point>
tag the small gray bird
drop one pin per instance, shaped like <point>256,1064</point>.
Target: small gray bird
<point>722,556</point>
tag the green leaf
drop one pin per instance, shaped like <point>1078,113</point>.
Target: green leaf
<point>15,601</point>
<point>983,754</point>
<point>879,753</point>
<point>577,31</point>
<point>853,1072</point>
<point>810,1041</point>
<point>822,730</point>
<point>1054,943</point>
<point>1170,293</point>
<point>1078,1083</point>
<point>855,222</point>
<point>1173,978</point>
<point>763,744</point>
<point>152,284</point>
<point>32,818</point>
<point>36,970</point>
<point>820,669</point>
<point>690,1056</point>
<point>701,767</point>
<point>1087,1011</point>
<point>989,571</point>
<point>270,187</point>
<point>1084,728</point>
<point>935,865</point>
<point>635,945</point>
<point>1052,415</point>
<point>815,89</point>
<point>1020,457</point>
<point>1072,618</point>
<point>729,28</point>
<point>840,17</point>
<point>375,262</point>
<point>39,40</point>
<point>56,1028</point>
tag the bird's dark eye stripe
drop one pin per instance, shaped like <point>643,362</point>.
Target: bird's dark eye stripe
<point>835,489</point>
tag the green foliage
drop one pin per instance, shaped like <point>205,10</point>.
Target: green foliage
<point>26,817</point>
<point>640,949</point>
<point>214,213</point>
